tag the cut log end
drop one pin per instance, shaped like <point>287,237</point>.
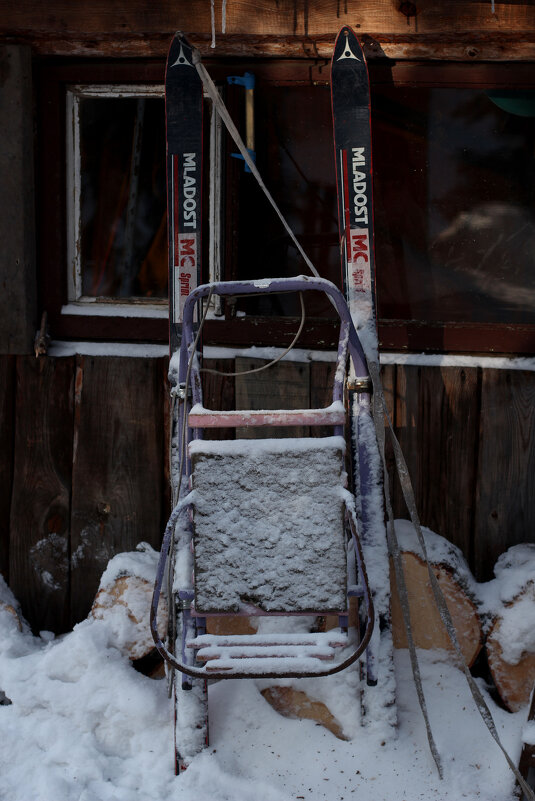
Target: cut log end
<point>428,629</point>
<point>513,672</point>
<point>292,703</point>
<point>125,605</point>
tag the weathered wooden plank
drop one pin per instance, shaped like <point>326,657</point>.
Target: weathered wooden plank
<point>17,223</point>
<point>388,379</point>
<point>40,510</point>
<point>437,424</point>
<point>118,466</point>
<point>7,432</point>
<point>290,17</point>
<point>283,386</point>
<point>439,46</point>
<point>218,393</point>
<point>506,469</point>
<point>321,391</point>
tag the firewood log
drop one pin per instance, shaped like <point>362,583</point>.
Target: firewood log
<point>511,650</point>
<point>428,630</point>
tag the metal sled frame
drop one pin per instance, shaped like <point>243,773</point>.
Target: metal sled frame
<point>191,624</point>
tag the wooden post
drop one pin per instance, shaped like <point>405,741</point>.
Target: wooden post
<point>17,225</point>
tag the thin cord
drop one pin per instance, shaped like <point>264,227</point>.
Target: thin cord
<point>213,371</point>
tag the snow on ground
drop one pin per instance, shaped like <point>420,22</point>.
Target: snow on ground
<point>83,725</point>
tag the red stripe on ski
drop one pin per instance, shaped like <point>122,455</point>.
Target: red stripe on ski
<point>347,221</point>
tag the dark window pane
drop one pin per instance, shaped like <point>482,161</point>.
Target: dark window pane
<point>295,156</point>
<point>455,205</point>
<point>123,201</point>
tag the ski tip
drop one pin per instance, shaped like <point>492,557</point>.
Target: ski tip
<point>347,48</point>
<point>180,52</point>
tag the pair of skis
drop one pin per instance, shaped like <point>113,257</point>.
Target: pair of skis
<point>352,139</point>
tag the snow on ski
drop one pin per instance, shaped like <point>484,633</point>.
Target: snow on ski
<point>353,161</point>
<point>183,108</point>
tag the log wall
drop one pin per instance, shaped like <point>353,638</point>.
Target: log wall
<point>83,463</point>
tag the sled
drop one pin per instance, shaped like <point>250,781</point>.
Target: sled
<point>262,528</point>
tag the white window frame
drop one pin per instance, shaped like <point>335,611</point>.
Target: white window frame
<point>81,304</point>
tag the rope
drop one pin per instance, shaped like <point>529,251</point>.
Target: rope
<point>271,363</point>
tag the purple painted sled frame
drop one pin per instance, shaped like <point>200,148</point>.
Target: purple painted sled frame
<point>348,342</point>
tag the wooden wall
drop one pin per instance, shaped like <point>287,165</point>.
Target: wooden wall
<point>83,471</point>
<point>83,474</point>
<point>400,29</point>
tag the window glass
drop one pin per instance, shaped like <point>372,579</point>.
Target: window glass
<point>455,204</point>
<point>122,225</point>
<point>454,200</point>
<point>295,155</point>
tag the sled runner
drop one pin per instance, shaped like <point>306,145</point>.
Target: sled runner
<point>268,529</point>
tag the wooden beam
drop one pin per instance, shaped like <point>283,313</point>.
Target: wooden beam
<point>287,28</point>
<point>438,46</point>
<point>308,18</point>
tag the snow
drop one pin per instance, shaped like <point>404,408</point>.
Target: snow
<point>459,360</point>
<point>95,308</point>
<point>141,563</point>
<point>83,725</point>
<point>516,634</point>
<point>267,514</point>
<point>439,551</point>
<point>147,350</point>
<point>269,353</point>
<point>59,348</point>
<point>515,572</point>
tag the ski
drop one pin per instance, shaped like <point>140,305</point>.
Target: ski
<point>184,128</point>
<point>183,109</point>
<point>353,157</point>
<point>350,94</point>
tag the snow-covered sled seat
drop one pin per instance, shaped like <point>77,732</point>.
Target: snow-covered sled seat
<point>269,525</point>
<point>269,537</point>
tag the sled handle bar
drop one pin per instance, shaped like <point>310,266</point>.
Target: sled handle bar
<point>302,283</point>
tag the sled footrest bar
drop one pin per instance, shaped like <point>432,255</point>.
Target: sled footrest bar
<point>274,653</point>
<point>320,639</point>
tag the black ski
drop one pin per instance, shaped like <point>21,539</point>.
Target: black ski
<point>183,108</point>
<point>353,161</point>
<point>353,157</point>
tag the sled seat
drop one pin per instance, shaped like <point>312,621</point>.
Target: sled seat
<point>269,536</point>
<point>268,526</point>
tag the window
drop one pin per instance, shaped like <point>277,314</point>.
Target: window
<point>116,194</point>
<point>454,202</point>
